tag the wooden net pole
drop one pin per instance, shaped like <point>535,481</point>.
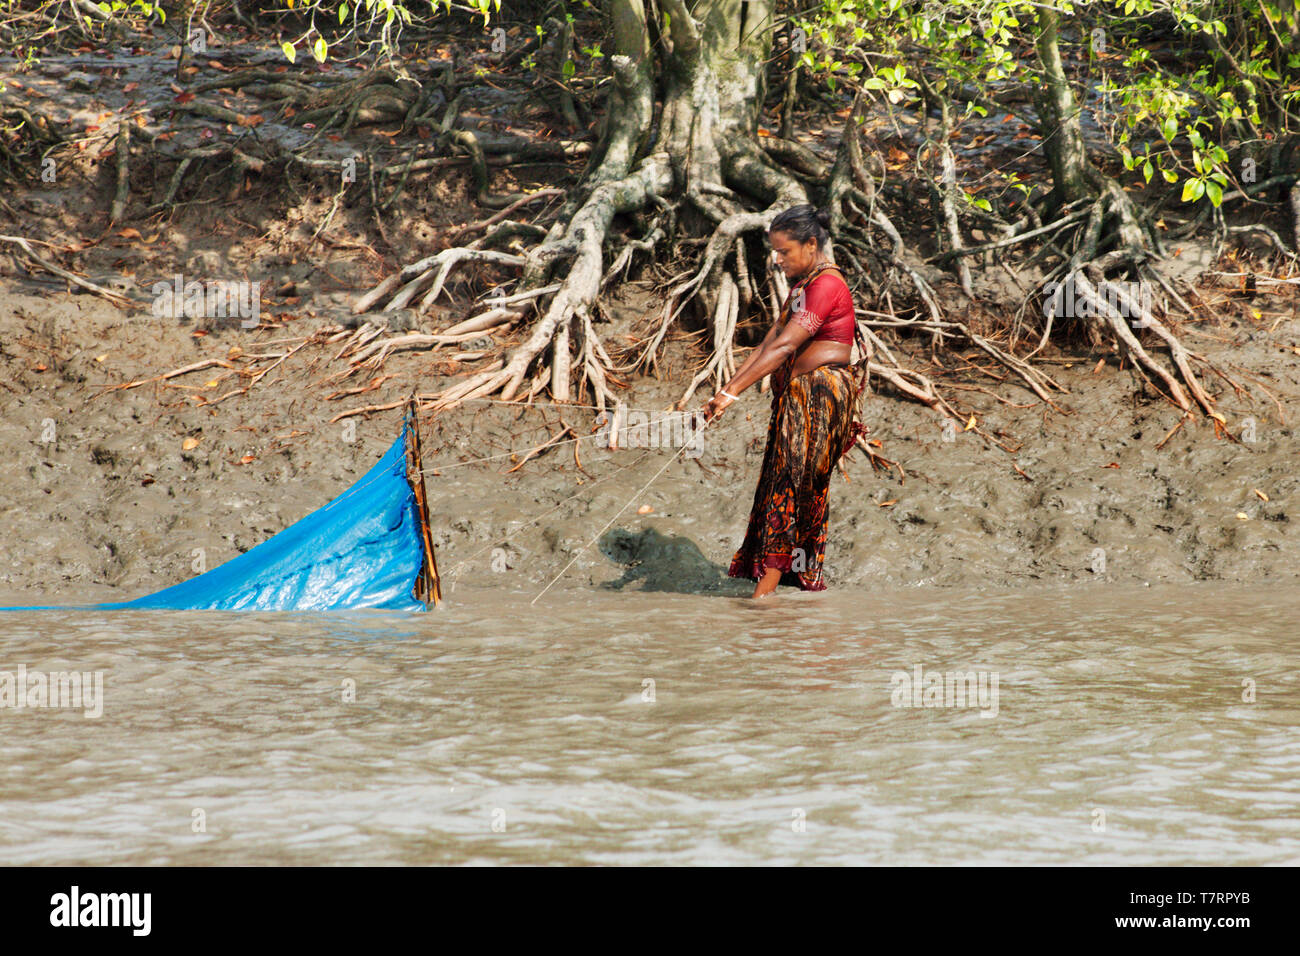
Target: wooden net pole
<point>427,585</point>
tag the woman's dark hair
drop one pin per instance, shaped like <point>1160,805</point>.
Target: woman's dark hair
<point>802,223</point>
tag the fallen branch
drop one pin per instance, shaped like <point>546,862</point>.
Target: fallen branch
<point>541,449</point>
<point>1010,240</point>
<point>196,367</point>
<point>113,297</point>
<point>123,180</point>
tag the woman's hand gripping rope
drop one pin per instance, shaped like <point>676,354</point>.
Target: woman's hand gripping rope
<point>717,405</point>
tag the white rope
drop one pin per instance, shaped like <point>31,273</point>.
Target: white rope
<point>509,531</point>
<point>615,517</point>
<point>456,568</point>
<point>566,441</point>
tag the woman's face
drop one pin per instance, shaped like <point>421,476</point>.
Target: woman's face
<point>793,258</point>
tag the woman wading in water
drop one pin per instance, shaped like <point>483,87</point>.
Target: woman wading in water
<point>814,401</point>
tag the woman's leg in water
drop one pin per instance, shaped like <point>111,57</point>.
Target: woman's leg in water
<point>767,583</point>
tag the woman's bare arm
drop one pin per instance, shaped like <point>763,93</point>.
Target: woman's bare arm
<point>766,359</point>
<point>770,356</point>
<point>767,340</point>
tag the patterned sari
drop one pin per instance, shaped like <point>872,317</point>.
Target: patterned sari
<point>813,425</point>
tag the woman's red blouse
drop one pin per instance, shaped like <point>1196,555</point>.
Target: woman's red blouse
<point>827,309</point>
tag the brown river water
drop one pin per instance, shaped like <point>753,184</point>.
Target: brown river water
<point>1118,725</point>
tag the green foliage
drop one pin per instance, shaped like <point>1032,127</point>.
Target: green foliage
<point>1229,85</point>
<point>148,10</point>
<point>1231,71</point>
<point>378,23</point>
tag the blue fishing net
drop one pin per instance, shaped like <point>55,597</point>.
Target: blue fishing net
<point>362,550</point>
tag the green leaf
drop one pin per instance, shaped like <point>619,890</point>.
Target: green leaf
<point>343,12</point>
<point>1169,129</point>
<point>982,204</point>
<point>1214,191</point>
<point>1170,175</point>
<point>1147,170</point>
<point>1189,189</point>
<point>289,51</point>
<point>320,49</point>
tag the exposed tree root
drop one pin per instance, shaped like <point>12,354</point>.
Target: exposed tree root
<point>1106,304</point>
<point>714,188</point>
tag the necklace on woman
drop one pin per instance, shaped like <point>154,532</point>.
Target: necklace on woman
<point>816,267</point>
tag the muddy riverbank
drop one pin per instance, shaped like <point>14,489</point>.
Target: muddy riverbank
<point>118,493</point>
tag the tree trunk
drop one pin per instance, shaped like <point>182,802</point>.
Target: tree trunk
<point>630,107</point>
<point>1114,217</point>
<point>699,170</point>
<point>713,80</point>
<point>1055,103</point>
